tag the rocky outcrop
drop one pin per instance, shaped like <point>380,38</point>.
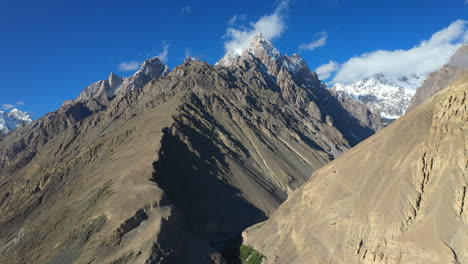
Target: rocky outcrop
<point>398,197</point>
<point>454,69</point>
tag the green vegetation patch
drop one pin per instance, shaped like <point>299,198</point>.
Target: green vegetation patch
<point>248,255</point>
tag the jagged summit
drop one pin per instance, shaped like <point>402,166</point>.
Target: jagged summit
<point>272,62</point>
<point>104,90</point>
<point>261,44</point>
<point>258,47</point>
<point>154,66</point>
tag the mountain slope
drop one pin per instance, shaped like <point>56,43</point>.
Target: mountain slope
<point>13,120</point>
<point>454,69</point>
<point>398,197</point>
<point>170,171</point>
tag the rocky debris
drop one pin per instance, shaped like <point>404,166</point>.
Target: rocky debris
<point>387,200</point>
<point>454,69</point>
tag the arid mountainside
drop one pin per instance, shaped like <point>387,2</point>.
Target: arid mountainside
<point>398,197</point>
<point>171,169</point>
<point>454,69</point>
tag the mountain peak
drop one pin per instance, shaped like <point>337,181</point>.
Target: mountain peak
<point>151,69</point>
<point>113,76</point>
<point>261,44</point>
<point>259,47</point>
<point>154,66</point>
<point>13,120</point>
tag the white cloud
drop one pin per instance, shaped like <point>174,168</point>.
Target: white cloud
<point>236,18</point>
<point>7,106</point>
<point>186,9</point>
<point>135,65</point>
<point>324,71</point>
<point>320,40</point>
<point>188,52</point>
<point>271,26</point>
<point>21,103</point>
<point>164,55</point>
<point>129,65</point>
<point>422,59</point>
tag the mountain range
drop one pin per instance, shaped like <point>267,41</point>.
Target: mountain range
<point>385,95</point>
<point>251,160</point>
<point>392,96</point>
<point>170,166</point>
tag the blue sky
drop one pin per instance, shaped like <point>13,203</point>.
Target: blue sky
<point>51,50</point>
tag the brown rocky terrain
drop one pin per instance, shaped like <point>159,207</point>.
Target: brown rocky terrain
<point>454,69</point>
<point>398,197</point>
<point>172,168</point>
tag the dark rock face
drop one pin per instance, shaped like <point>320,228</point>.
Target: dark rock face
<point>173,168</point>
<point>454,69</point>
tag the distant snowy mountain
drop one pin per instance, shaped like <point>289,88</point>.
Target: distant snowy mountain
<point>388,96</point>
<point>13,120</point>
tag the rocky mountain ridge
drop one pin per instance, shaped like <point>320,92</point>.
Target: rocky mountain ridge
<point>172,170</point>
<point>105,90</point>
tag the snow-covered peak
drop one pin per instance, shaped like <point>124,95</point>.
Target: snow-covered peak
<point>259,46</point>
<point>13,120</point>
<point>272,62</point>
<point>20,115</point>
<point>388,96</point>
<point>152,66</point>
